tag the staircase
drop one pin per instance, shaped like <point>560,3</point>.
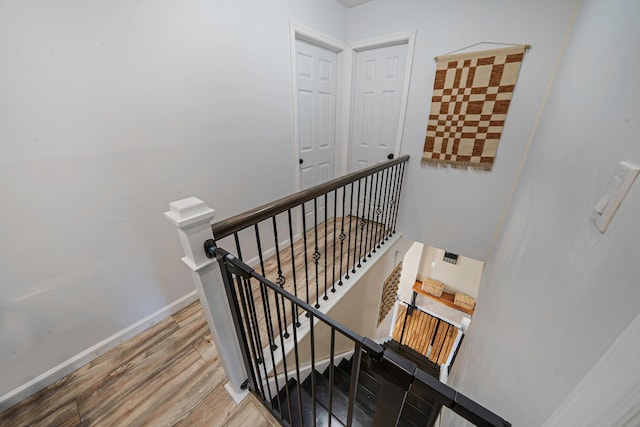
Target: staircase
<point>315,389</point>
<point>417,358</point>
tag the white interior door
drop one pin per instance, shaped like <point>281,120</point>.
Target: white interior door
<point>377,103</point>
<point>316,76</point>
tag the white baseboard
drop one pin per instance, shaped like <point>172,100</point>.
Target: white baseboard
<point>81,359</point>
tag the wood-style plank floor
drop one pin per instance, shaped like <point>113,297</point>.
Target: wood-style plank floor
<point>424,334</point>
<point>168,375</point>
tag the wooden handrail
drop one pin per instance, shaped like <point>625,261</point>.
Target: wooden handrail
<point>238,222</point>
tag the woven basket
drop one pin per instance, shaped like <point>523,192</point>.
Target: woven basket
<point>464,301</point>
<point>432,286</point>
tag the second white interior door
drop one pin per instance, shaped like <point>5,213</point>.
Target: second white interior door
<point>377,102</point>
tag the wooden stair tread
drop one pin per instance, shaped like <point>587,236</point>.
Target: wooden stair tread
<point>340,401</point>
<point>293,417</point>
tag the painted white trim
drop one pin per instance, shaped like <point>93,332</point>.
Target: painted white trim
<point>300,32</point>
<point>406,37</point>
<point>343,115</point>
<point>81,359</point>
<point>237,397</point>
<point>314,37</point>
<point>383,41</point>
<point>411,42</point>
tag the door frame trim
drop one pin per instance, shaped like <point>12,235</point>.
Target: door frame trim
<point>405,37</point>
<point>343,88</point>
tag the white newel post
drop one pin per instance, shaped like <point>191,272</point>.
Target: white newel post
<point>193,219</point>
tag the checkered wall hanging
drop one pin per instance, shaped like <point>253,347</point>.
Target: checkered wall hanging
<point>389,293</point>
<point>471,96</point>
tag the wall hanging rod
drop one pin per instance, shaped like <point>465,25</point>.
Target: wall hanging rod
<point>526,47</point>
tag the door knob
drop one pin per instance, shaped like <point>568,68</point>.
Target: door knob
<point>300,161</point>
<point>390,156</point>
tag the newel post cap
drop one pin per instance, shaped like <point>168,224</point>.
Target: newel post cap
<point>190,211</point>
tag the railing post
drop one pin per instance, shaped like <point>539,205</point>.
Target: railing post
<point>193,218</point>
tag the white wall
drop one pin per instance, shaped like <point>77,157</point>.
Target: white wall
<point>110,110</point>
<point>557,292</point>
<point>464,276</point>
<point>453,209</point>
<point>410,267</point>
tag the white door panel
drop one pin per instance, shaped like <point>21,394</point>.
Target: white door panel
<point>378,85</point>
<point>316,80</point>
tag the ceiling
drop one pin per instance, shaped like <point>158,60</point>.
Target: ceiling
<point>352,3</point>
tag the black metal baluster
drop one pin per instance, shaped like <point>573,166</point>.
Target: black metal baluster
<point>383,203</point>
<point>295,314</point>
<point>331,363</point>
<point>361,223</point>
<point>316,253</point>
<point>326,208</point>
<point>387,203</point>
<point>395,198</point>
<point>295,349</point>
<point>254,315</point>
<point>433,339</point>
<point>350,228</point>
<point>252,311</point>
<point>342,237</point>
<point>313,368</point>
<point>367,247</point>
<point>284,361</point>
<point>376,224</point>
<point>353,386</point>
<point>238,250</point>
<point>306,263</point>
<point>251,330</point>
<point>379,211</point>
<point>333,264</point>
<point>395,219</point>
<point>281,279</point>
<point>271,349</point>
<point>265,296</point>
<point>404,324</point>
<point>260,346</point>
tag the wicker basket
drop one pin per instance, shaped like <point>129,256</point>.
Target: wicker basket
<point>465,301</point>
<point>432,286</point>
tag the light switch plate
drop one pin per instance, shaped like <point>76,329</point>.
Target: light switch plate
<point>617,188</point>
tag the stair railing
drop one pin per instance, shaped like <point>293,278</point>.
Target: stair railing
<point>275,375</point>
<point>269,374</point>
<point>309,243</point>
<point>344,221</point>
<point>327,231</point>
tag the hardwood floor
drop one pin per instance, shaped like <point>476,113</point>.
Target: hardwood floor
<point>169,375</point>
<point>425,334</point>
